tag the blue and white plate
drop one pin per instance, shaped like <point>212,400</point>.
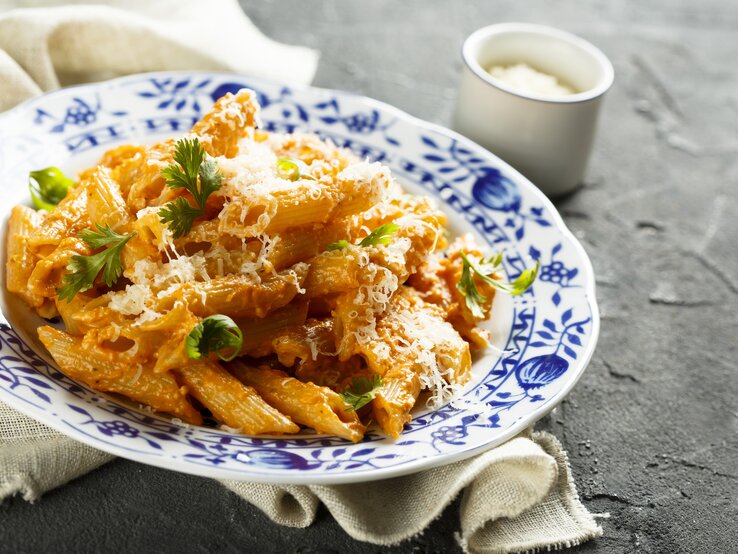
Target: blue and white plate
<point>546,335</point>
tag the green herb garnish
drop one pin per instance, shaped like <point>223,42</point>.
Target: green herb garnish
<point>48,187</point>
<point>292,169</point>
<point>380,235</point>
<point>216,333</point>
<point>191,162</point>
<point>84,269</point>
<point>338,245</point>
<point>361,392</point>
<point>287,168</point>
<point>484,269</point>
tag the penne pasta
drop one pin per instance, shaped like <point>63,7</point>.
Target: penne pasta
<point>46,276</point>
<point>67,220</point>
<point>332,273</point>
<point>232,117</point>
<point>305,403</point>
<point>107,371</point>
<point>394,400</point>
<point>238,296</point>
<point>233,403</point>
<point>412,347</point>
<point>142,177</point>
<point>105,204</point>
<point>260,333</point>
<point>270,280</point>
<point>21,259</point>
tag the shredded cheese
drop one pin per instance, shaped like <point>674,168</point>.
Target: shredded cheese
<point>132,301</point>
<point>254,268</point>
<point>428,338</point>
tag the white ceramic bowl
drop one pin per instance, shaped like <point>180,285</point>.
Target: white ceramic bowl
<point>547,138</point>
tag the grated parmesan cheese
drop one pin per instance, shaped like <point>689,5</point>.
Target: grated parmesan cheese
<point>149,277</point>
<point>132,301</point>
<point>261,263</point>
<point>428,336</point>
<point>363,172</point>
<point>523,77</point>
<point>372,300</point>
<point>137,376</point>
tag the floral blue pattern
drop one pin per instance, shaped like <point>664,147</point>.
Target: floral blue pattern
<point>177,93</point>
<point>549,336</point>
<point>79,113</point>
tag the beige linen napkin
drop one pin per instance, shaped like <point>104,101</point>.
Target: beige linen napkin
<point>517,497</point>
<point>46,47</point>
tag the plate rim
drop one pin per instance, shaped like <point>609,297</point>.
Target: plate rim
<point>412,466</point>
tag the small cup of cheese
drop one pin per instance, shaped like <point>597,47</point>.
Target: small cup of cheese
<point>531,94</point>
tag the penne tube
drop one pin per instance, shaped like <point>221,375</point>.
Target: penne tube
<point>305,203</point>
<point>361,186</point>
<point>420,225</point>
<point>436,282</point>
<point>245,219</point>
<point>305,343</point>
<point>206,235</point>
<point>301,244</point>
<point>235,404</point>
<point>305,403</point>
<point>302,203</point>
<point>238,296</point>
<point>332,273</point>
<point>283,238</point>
<point>394,400</point>
<point>412,347</point>
<point>356,311</point>
<point>151,233</point>
<point>231,118</point>
<point>309,350</point>
<point>21,260</point>
<point>67,220</point>
<point>105,203</point>
<point>47,276</point>
<point>85,313</point>
<point>142,178</point>
<point>259,333</point>
<point>110,371</point>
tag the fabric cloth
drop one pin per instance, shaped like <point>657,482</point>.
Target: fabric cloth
<point>517,497</point>
<point>42,48</point>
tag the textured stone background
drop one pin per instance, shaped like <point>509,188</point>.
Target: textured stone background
<point>652,426</point>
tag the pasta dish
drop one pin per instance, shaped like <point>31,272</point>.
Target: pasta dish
<point>268,281</point>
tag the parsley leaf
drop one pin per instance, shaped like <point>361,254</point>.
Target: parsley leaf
<point>211,180</point>
<point>215,333</point>
<point>84,269</point>
<point>191,162</point>
<point>287,168</point>
<point>380,235</point>
<point>179,215</point>
<point>48,187</point>
<point>338,245</point>
<point>484,269</point>
<point>188,153</point>
<point>293,169</point>
<point>361,392</point>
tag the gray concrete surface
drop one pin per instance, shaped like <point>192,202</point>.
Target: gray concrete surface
<point>652,427</point>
